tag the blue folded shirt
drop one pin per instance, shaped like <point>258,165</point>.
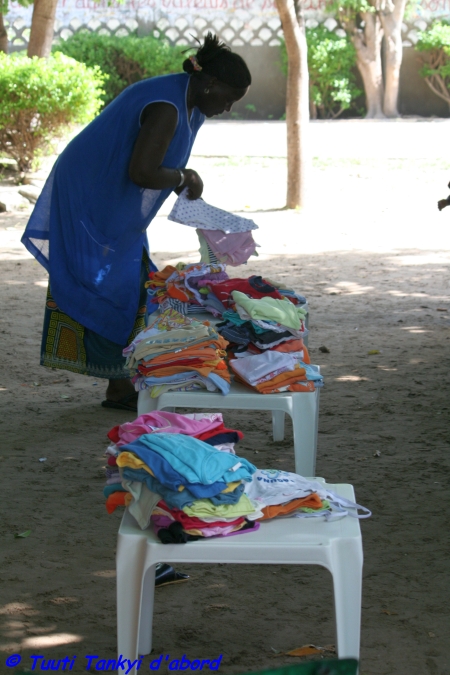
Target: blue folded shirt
<point>164,472</point>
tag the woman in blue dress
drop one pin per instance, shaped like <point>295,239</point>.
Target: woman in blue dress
<point>88,228</point>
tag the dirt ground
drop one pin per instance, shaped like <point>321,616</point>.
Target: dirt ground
<point>384,427</point>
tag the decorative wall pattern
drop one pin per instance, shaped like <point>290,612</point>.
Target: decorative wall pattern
<point>236,32</point>
<point>238,22</point>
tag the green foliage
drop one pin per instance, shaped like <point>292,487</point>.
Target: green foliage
<point>4,5</point>
<point>434,45</point>
<point>349,8</point>
<point>436,36</point>
<point>124,59</point>
<point>39,97</point>
<point>331,62</point>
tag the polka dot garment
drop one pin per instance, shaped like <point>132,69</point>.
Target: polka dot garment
<point>197,213</point>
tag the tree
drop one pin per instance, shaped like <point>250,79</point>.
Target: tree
<point>367,22</point>
<point>3,35</point>
<point>4,7</point>
<point>297,100</point>
<point>42,28</point>
<point>391,19</point>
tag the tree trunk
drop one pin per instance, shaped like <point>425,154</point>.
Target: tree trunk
<point>368,58</point>
<point>42,26</point>
<point>3,36</point>
<point>297,101</point>
<point>393,54</point>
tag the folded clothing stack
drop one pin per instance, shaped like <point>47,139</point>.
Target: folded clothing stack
<point>185,288</point>
<point>266,338</point>
<point>180,473</point>
<point>176,353</point>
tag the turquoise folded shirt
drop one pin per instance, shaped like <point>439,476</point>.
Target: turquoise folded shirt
<point>197,461</point>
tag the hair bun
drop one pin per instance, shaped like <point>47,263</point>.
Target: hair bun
<point>188,66</point>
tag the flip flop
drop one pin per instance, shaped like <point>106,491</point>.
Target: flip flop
<point>125,403</point>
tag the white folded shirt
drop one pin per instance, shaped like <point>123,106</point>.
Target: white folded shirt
<point>197,213</point>
<point>253,368</point>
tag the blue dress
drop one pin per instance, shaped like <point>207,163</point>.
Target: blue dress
<point>88,228</point>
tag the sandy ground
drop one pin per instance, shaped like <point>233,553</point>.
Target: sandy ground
<point>372,254</point>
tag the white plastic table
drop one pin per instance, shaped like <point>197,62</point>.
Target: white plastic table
<point>335,545</point>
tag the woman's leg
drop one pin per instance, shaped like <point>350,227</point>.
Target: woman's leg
<point>118,390</point>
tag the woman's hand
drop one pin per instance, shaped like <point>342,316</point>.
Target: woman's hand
<point>193,182</point>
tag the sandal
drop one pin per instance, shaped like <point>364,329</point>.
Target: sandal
<point>126,403</point>
<point>165,575</point>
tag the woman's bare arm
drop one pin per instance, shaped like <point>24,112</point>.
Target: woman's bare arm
<point>156,133</point>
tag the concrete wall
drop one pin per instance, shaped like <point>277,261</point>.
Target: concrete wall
<point>268,91</point>
<point>416,98</point>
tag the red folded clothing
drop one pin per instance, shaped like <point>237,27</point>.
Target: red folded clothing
<point>222,290</point>
<point>219,430</point>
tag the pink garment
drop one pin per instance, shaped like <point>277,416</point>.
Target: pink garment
<point>233,249</point>
<point>164,521</point>
<point>161,521</point>
<point>162,421</point>
<point>217,531</point>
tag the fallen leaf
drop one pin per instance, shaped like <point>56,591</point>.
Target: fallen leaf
<point>330,648</point>
<point>441,309</point>
<point>22,535</point>
<point>386,611</point>
<point>324,350</point>
<point>372,352</point>
<point>306,650</point>
<point>430,634</point>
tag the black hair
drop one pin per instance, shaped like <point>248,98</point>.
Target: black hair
<point>216,58</point>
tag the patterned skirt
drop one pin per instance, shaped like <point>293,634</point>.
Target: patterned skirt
<point>68,345</point>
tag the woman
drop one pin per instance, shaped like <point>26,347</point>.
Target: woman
<point>88,228</point>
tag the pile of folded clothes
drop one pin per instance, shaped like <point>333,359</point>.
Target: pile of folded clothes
<point>176,353</point>
<point>181,473</point>
<point>185,288</point>
<point>265,331</point>
<point>263,323</point>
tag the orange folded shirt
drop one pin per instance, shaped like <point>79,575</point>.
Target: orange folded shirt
<point>117,499</point>
<point>160,277</point>
<point>190,352</point>
<point>172,370</point>
<point>292,380</point>
<point>312,501</point>
<point>289,346</point>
